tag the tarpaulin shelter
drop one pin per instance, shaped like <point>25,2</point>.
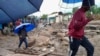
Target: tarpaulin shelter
<point>70,4</point>
<point>84,2</point>
<point>11,10</point>
<point>72,1</point>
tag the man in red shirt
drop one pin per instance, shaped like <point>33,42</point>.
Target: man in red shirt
<point>76,30</point>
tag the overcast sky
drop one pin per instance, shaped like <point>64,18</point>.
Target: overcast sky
<point>49,6</point>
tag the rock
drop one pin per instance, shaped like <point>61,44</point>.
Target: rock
<point>31,42</point>
<point>44,49</point>
<point>4,52</point>
<point>42,41</point>
<point>60,34</point>
<point>19,55</point>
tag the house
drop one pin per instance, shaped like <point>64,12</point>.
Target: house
<point>57,17</point>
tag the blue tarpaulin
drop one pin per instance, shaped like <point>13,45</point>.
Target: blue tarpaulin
<point>72,1</point>
<point>1,26</point>
<point>11,10</point>
<point>84,2</point>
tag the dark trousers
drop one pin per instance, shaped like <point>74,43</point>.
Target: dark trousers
<point>23,40</point>
<point>75,43</point>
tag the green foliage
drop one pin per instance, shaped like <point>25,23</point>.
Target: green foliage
<point>60,13</point>
<point>74,9</point>
<point>44,16</point>
<point>95,9</point>
<point>69,13</point>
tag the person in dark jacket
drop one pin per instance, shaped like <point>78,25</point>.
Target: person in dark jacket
<point>76,30</point>
<point>23,37</point>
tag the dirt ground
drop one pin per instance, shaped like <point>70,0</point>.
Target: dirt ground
<point>7,43</point>
<point>44,44</point>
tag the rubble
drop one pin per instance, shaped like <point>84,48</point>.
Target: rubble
<point>52,41</point>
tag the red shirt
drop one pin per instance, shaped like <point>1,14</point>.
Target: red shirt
<point>77,24</point>
<point>18,22</point>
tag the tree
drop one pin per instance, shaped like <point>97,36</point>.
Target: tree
<point>74,9</point>
<point>95,9</point>
<point>44,16</point>
<point>60,13</point>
